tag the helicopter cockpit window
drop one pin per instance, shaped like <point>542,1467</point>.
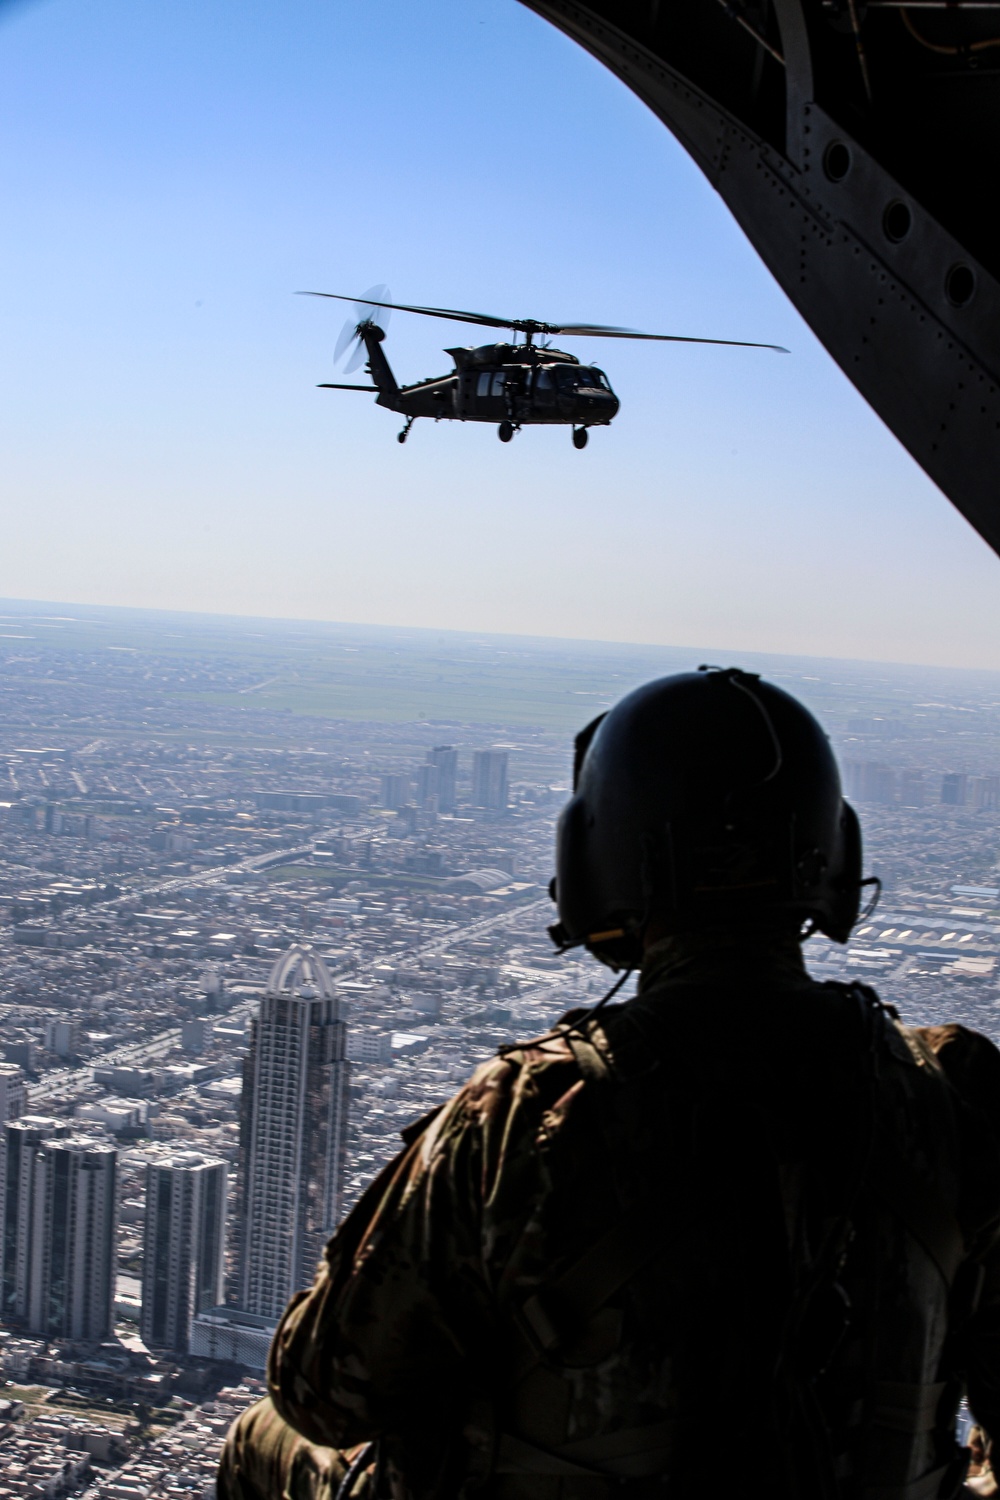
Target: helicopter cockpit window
<point>572,377</point>
<point>568,377</point>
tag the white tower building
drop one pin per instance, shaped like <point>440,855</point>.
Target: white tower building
<point>185,1241</point>
<point>293,1132</point>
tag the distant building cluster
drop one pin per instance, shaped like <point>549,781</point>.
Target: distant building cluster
<point>433,787</point>
<point>874,781</point>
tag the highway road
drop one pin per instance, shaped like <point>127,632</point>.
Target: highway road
<point>216,875</point>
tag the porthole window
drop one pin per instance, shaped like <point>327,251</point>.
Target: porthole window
<point>897,221</point>
<point>960,285</point>
<point>837,160</point>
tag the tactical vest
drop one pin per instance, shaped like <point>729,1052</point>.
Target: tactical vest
<point>780,1280</point>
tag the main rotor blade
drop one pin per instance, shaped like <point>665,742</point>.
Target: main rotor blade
<point>451,313</point>
<point>328,385</point>
<point>536,326</point>
<point>594,330</point>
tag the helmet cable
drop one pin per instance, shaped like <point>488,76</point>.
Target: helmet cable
<point>741,680</point>
<point>589,1014</point>
<point>869,910</point>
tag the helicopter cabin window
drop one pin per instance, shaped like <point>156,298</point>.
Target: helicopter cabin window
<point>499,382</point>
<point>483,384</point>
<point>543,380</point>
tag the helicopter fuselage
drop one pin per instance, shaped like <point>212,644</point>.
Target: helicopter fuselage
<point>499,383</point>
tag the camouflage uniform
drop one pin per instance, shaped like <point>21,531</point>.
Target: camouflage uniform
<point>743,1216</point>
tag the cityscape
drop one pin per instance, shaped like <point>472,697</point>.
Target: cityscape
<point>268,894</point>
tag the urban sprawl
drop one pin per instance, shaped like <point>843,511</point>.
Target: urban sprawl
<point>268,894</point>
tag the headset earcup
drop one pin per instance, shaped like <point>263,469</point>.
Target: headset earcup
<point>845,883</point>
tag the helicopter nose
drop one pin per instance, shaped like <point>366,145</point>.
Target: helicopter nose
<point>602,405</point>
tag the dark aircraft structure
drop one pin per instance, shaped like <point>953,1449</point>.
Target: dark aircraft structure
<point>855,142</point>
<point>513,385</point>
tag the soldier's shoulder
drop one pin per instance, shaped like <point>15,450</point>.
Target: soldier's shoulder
<point>968,1059</point>
<point>523,1078</point>
<point>956,1046</point>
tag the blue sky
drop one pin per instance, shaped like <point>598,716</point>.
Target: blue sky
<point>170,174</point>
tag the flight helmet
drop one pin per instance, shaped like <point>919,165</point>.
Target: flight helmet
<point>702,800</point>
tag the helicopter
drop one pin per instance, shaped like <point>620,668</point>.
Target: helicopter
<point>513,385</point>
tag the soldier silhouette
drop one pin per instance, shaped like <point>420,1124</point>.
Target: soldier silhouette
<point>741,1203</point>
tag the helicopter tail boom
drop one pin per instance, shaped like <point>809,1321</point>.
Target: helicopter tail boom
<point>379,367</point>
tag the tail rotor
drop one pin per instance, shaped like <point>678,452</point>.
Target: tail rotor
<point>370,312</point>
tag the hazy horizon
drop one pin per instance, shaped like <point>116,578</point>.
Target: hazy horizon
<point>16,612</point>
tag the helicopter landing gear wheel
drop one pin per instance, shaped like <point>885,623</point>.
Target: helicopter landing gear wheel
<point>505,431</point>
<point>402,436</point>
<point>579,437</point>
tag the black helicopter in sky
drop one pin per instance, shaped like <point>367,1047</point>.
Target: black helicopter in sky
<point>513,385</point>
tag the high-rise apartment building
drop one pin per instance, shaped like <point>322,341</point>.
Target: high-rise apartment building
<point>13,1094</point>
<point>293,1132</point>
<point>427,787</point>
<point>489,779</point>
<point>73,1219</point>
<point>444,758</point>
<point>870,781</point>
<point>395,790</point>
<point>18,1154</point>
<point>196,1033</point>
<point>953,788</point>
<point>912,789</point>
<point>184,1247</point>
<point>62,1037</point>
<point>984,793</point>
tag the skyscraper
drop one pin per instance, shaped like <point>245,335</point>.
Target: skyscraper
<point>395,790</point>
<point>184,1247</point>
<point>293,1132</point>
<point>489,779</point>
<point>74,1214</point>
<point>427,787</point>
<point>18,1154</point>
<point>445,759</point>
<point>13,1095</point>
<point>953,788</point>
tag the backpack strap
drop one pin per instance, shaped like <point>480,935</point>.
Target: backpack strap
<point>554,1314</point>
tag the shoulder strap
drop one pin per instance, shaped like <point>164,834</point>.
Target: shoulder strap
<point>890,1175</point>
